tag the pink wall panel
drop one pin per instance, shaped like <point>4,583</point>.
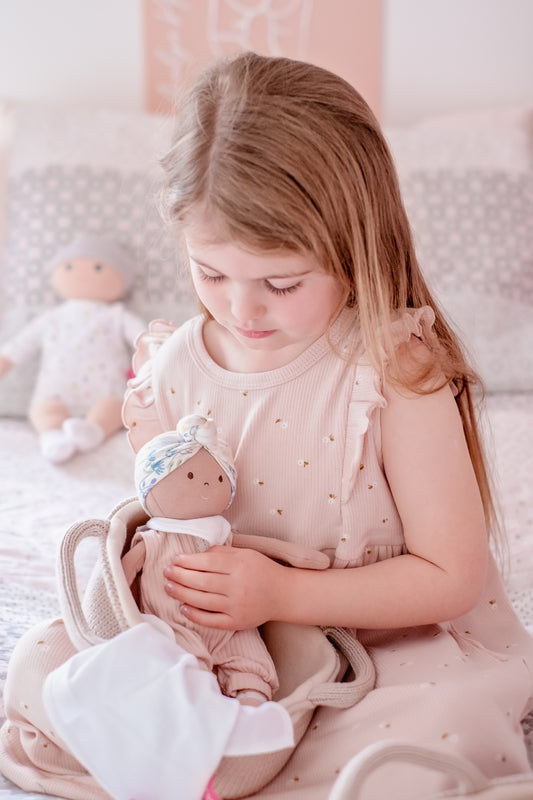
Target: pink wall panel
<point>182,35</point>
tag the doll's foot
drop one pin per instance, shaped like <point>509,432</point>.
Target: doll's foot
<point>84,435</point>
<point>55,446</point>
<point>250,697</point>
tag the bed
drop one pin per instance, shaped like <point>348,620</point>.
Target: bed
<point>468,186</point>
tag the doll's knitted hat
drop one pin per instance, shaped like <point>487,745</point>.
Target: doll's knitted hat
<point>167,451</point>
<point>89,245</point>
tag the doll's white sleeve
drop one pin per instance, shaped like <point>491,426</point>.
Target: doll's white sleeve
<point>28,341</point>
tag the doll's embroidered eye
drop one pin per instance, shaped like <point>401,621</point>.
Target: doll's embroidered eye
<point>98,267</point>
<point>220,479</point>
<point>190,475</point>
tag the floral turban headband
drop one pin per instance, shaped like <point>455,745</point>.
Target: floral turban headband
<point>168,451</point>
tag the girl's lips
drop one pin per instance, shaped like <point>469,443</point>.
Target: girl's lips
<point>253,334</point>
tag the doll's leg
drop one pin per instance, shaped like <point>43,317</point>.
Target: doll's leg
<point>244,666</point>
<point>102,420</point>
<point>107,414</point>
<point>47,415</point>
<point>48,418</point>
<point>62,435</point>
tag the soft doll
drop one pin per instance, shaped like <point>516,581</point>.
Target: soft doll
<point>85,345</point>
<point>185,479</point>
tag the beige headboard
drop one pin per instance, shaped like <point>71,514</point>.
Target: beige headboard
<point>342,35</point>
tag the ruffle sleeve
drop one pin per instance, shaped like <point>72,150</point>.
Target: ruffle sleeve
<point>413,322</point>
<point>367,394</point>
<point>139,411</point>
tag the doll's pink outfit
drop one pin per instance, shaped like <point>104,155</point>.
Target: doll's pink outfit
<point>239,659</point>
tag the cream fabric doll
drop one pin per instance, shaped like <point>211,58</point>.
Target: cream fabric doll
<point>84,344</point>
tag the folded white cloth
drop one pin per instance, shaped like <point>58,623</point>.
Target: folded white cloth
<point>147,722</point>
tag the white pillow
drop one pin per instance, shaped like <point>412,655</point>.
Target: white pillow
<point>467,182</point>
<point>75,170</point>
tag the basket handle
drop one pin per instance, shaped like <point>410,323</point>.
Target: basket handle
<point>352,777</point>
<point>348,693</point>
<point>71,606</point>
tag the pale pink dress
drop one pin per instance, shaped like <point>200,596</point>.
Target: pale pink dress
<point>306,439</point>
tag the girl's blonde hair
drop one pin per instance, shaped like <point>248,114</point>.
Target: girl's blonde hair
<point>281,154</point>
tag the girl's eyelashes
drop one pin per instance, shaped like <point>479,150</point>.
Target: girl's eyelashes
<point>209,278</point>
<point>280,290</point>
<point>277,290</point>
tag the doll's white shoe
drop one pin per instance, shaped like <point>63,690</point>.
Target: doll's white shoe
<point>56,447</point>
<point>82,434</point>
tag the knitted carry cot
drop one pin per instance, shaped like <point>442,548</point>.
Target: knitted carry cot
<point>315,667</point>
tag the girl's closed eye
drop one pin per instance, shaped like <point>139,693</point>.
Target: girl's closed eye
<point>281,290</point>
<point>210,276</point>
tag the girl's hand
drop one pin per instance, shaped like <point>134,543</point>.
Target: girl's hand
<point>226,587</point>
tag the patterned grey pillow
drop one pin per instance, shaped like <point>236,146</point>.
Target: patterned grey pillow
<point>72,171</point>
<point>468,188</point>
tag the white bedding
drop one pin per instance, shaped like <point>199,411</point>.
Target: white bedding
<point>39,501</point>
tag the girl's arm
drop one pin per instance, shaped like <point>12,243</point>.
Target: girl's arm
<point>432,480</point>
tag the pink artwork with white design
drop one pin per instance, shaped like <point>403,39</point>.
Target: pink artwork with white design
<point>181,36</point>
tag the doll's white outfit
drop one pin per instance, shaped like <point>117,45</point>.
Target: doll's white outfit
<point>239,659</point>
<point>306,439</point>
<point>85,348</point>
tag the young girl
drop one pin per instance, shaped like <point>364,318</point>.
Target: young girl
<point>345,395</point>
<point>350,409</point>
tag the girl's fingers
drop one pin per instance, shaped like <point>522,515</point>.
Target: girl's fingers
<point>202,608</point>
<point>210,620</point>
<point>216,559</point>
<point>193,594</point>
<point>194,579</point>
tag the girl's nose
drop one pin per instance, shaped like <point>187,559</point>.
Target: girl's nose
<point>246,306</point>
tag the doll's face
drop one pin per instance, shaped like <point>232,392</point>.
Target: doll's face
<point>199,488</point>
<point>88,279</point>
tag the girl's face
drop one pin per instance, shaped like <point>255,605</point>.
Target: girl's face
<point>268,307</point>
